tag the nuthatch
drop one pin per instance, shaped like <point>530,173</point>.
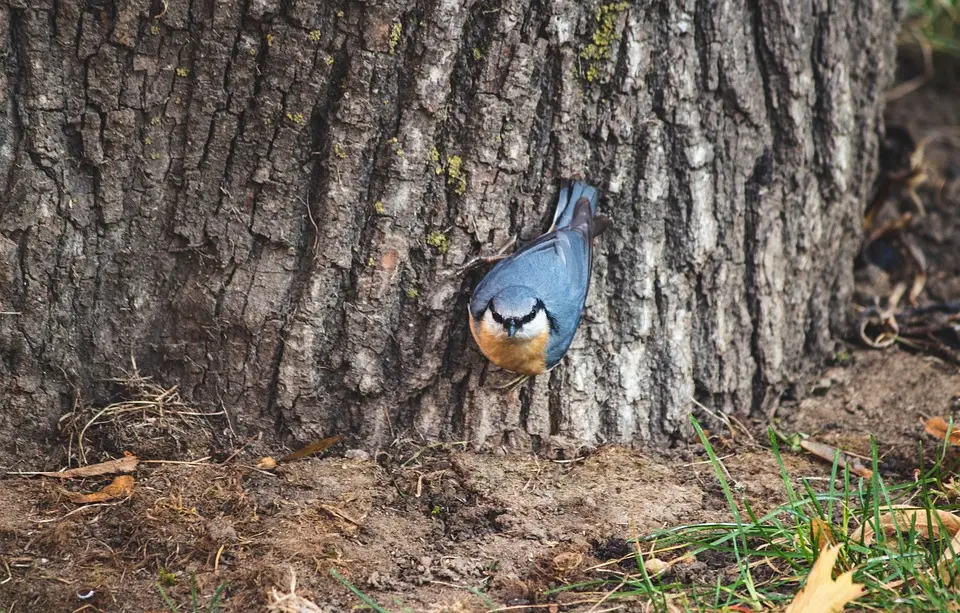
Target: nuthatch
<point>525,312</point>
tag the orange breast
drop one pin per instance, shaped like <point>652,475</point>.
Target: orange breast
<point>525,357</point>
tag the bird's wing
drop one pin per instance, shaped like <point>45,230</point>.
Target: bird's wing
<point>556,266</point>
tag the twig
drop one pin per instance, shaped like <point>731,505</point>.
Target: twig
<point>84,508</point>
<point>332,510</point>
<point>183,462</point>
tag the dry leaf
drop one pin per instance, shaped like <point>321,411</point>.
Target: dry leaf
<point>126,464</point>
<point>267,463</point>
<point>313,448</point>
<point>946,560</point>
<point>821,534</point>
<point>120,487</point>
<point>905,517</point>
<point>937,426</point>
<point>821,594</point>
<point>826,452</point>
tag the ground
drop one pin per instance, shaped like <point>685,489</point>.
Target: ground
<point>426,528</point>
<point>438,527</point>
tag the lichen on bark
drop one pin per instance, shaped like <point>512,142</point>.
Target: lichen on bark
<point>205,189</point>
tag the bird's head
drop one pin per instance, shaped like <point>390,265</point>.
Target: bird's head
<point>516,313</point>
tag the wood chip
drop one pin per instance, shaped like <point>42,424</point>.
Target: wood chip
<point>826,452</point>
<point>126,464</point>
<point>313,448</point>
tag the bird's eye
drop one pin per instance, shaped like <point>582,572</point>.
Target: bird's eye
<point>496,316</point>
<point>532,314</point>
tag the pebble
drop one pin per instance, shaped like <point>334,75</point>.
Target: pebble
<point>356,454</point>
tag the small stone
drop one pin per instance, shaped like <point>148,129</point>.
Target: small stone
<point>589,502</point>
<point>822,386</point>
<point>356,454</point>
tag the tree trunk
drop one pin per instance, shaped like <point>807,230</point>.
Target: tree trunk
<point>266,203</point>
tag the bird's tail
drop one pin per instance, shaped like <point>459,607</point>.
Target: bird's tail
<point>570,193</point>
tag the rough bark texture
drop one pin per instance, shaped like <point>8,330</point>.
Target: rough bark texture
<point>264,201</point>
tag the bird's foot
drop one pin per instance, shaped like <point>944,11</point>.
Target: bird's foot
<point>490,259</point>
<point>513,383</point>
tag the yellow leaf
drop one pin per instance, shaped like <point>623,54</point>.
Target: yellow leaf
<point>821,594</point>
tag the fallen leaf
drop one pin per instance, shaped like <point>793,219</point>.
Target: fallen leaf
<point>120,487</point>
<point>821,594</point>
<point>313,448</point>
<point>826,452</point>
<point>267,463</point>
<point>946,560</point>
<point>655,566</point>
<point>905,517</point>
<point>821,534</point>
<point>126,464</point>
<point>938,427</point>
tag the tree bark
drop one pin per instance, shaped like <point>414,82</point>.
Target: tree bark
<point>266,202</point>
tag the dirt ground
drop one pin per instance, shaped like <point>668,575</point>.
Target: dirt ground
<point>419,537</point>
<point>441,529</point>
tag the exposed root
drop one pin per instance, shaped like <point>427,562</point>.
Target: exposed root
<point>148,409</point>
<point>290,602</point>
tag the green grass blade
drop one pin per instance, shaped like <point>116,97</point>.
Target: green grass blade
<point>366,599</point>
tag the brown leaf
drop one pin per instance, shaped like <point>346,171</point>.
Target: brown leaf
<point>313,448</point>
<point>120,487</point>
<point>655,566</point>
<point>949,554</point>
<point>267,463</point>
<point>821,594</point>
<point>826,452</point>
<point>905,517</point>
<point>821,534</point>
<point>937,426</point>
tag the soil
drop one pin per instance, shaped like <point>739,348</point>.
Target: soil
<point>417,528</point>
<point>431,528</point>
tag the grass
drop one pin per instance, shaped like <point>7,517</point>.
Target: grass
<point>760,561</point>
<point>935,23</point>
<point>764,560</point>
<point>366,599</point>
<point>212,607</point>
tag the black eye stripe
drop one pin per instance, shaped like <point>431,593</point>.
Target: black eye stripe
<point>519,321</point>
<point>533,314</point>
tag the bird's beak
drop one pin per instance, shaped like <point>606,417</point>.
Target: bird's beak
<point>511,327</point>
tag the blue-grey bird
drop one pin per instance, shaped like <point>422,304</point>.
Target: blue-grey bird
<point>526,311</point>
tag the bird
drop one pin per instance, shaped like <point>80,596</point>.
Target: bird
<point>525,312</point>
